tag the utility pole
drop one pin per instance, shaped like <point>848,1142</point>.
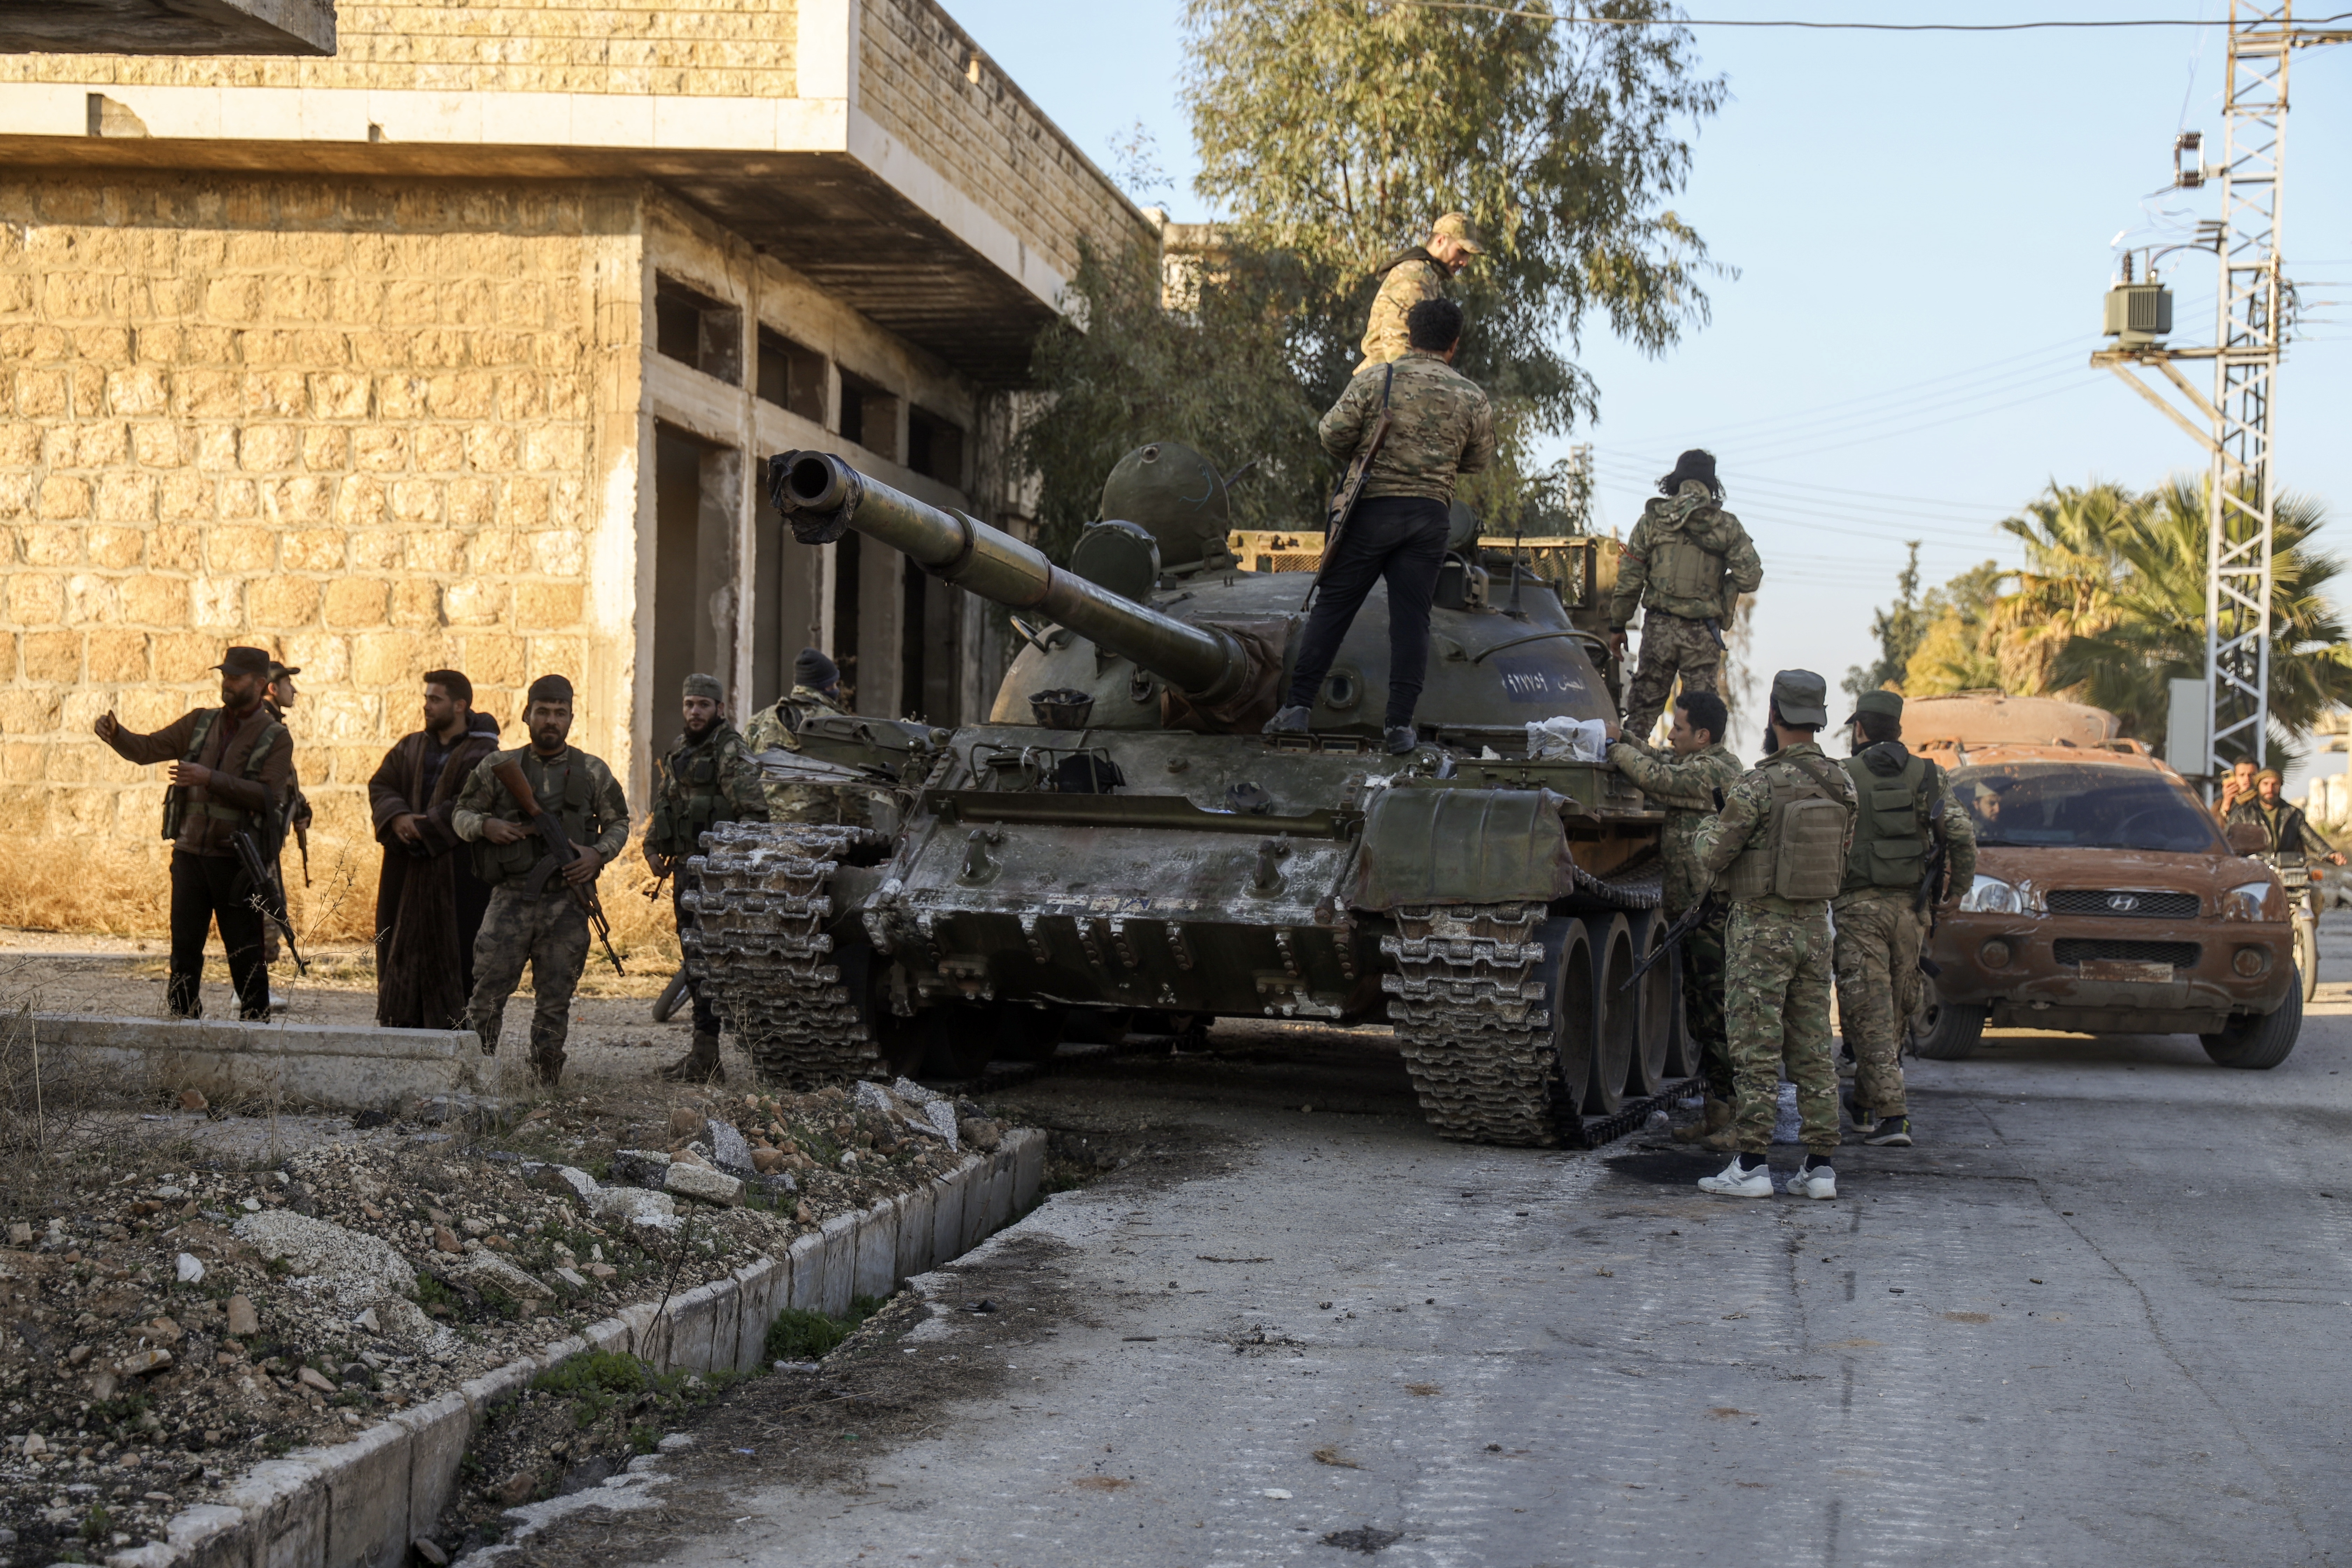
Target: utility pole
<point>2252,317</point>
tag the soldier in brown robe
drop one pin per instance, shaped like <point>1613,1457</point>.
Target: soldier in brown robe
<point>428,902</point>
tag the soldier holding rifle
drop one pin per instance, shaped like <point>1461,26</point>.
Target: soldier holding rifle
<point>230,765</point>
<point>522,810</point>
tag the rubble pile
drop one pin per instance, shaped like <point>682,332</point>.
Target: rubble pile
<point>171,1315</point>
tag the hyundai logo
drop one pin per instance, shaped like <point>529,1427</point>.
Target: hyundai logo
<point>2122,903</point>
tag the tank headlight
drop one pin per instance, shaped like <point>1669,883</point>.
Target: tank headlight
<point>2262,900</point>
<point>1992,895</point>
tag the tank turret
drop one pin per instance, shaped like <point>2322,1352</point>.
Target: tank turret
<point>1213,667</point>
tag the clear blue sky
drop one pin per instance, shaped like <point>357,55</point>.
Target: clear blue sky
<point>1921,225</point>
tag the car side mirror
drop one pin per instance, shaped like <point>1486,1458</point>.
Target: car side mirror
<point>2246,838</point>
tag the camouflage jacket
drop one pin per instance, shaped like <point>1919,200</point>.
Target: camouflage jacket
<point>701,782</point>
<point>772,726</point>
<point>1748,811</point>
<point>1408,283</point>
<point>1686,789</point>
<point>578,788</point>
<point>1687,557</point>
<point>1440,424</point>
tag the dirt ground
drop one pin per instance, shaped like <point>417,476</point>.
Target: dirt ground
<point>187,1290</point>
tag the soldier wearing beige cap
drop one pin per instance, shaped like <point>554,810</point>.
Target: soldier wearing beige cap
<point>1412,275</point>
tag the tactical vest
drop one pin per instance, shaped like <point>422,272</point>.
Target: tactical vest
<point>496,863</point>
<point>1680,568</point>
<point>1891,832</point>
<point>269,825</point>
<point>1799,854</point>
<point>691,800</point>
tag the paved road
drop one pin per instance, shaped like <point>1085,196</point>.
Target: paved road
<point>2098,1319</point>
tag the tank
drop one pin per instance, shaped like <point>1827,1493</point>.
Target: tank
<point>1118,846</point>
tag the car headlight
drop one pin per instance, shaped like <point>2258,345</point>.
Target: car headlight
<point>1992,895</point>
<point>2260,901</point>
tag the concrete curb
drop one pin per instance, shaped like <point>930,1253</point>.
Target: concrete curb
<point>358,1504</point>
<point>341,1066</point>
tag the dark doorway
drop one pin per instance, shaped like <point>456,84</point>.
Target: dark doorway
<point>845,616</point>
<point>696,495</point>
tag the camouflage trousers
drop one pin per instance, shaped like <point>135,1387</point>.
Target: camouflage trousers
<point>1703,1003</point>
<point>1777,1013</point>
<point>549,934</point>
<point>1877,990</point>
<point>818,804</point>
<point>1670,646</point>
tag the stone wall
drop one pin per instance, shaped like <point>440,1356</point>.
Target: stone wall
<point>695,49</point>
<point>375,429</point>
<point>922,80</point>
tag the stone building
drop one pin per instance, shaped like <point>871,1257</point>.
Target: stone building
<point>463,346</point>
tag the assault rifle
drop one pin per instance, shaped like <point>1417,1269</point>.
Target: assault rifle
<point>1352,484</point>
<point>266,897</point>
<point>561,852</point>
<point>1690,920</point>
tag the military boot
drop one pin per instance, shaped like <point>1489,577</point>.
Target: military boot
<point>1717,1118</point>
<point>699,1065</point>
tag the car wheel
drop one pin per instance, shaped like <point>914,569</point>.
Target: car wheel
<point>2259,1042</point>
<point>1951,1031</point>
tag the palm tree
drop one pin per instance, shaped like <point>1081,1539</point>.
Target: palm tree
<point>2147,626</point>
<point>2075,565</point>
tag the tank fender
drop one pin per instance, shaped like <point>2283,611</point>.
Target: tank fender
<point>1463,846</point>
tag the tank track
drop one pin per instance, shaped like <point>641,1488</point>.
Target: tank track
<point>759,945</point>
<point>1470,1020</point>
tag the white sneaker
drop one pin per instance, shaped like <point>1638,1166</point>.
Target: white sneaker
<point>1732,1182</point>
<point>1820,1182</point>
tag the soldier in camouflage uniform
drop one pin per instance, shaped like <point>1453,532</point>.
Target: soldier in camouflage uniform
<point>548,932</point>
<point>1777,852</point>
<point>708,777</point>
<point>1684,783</point>
<point>1905,808</point>
<point>1440,426</point>
<point>1416,273</point>
<point>1685,568</point>
<point>816,690</point>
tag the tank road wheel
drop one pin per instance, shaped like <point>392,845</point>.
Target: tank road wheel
<point>2259,1042</point>
<point>1951,1031</point>
<point>1657,994</point>
<point>1468,1000</point>
<point>1616,1014</point>
<point>763,943</point>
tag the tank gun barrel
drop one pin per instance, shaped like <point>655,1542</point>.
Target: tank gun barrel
<point>823,497</point>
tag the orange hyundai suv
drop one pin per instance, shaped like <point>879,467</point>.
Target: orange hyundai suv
<point>2106,901</point>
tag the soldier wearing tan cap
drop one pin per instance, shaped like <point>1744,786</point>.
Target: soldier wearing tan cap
<point>1413,275</point>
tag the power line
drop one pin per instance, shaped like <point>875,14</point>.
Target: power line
<point>1570,15</point>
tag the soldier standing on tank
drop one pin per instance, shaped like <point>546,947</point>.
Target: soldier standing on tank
<point>1440,426</point>
<point>816,690</point>
<point>1778,851</point>
<point>548,932</point>
<point>1906,810</point>
<point>708,777</point>
<point>1685,782</point>
<point>1685,568</point>
<point>1413,274</point>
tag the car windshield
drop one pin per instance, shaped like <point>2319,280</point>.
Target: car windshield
<point>2084,806</point>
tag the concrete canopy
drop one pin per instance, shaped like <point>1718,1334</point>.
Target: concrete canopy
<point>170,28</point>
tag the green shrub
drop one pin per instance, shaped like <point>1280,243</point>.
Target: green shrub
<point>799,1334</point>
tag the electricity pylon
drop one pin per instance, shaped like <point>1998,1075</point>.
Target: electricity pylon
<point>2253,315</point>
